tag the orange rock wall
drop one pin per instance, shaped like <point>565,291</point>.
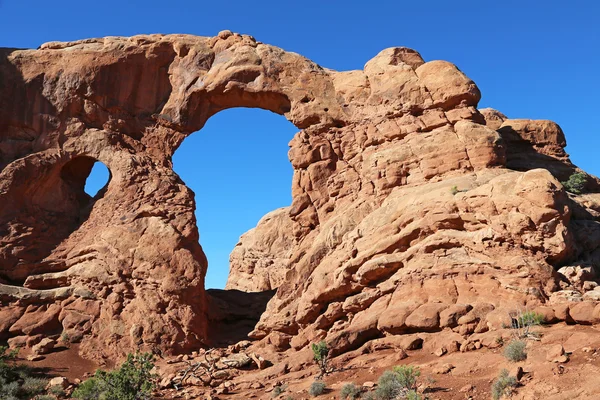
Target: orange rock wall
<point>412,210</point>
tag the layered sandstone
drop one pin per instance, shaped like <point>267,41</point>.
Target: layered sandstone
<point>412,211</point>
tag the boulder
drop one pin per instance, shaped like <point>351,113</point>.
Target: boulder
<point>556,354</point>
<point>59,381</point>
<point>45,346</point>
<point>237,360</point>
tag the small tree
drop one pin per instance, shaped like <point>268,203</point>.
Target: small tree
<point>321,356</point>
<point>576,183</point>
<point>524,321</point>
<point>530,318</point>
<point>132,381</point>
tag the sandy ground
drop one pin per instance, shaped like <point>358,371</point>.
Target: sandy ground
<point>458,375</point>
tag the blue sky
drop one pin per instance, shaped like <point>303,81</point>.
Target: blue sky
<point>531,59</point>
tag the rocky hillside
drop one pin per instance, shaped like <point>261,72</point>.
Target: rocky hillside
<point>413,210</point>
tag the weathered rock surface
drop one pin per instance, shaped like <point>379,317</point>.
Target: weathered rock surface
<point>260,260</point>
<point>412,211</point>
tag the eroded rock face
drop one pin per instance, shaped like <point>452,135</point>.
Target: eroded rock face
<point>260,260</point>
<point>412,211</point>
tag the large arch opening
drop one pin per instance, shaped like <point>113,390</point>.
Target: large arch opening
<point>57,206</point>
<point>238,168</point>
<point>97,179</point>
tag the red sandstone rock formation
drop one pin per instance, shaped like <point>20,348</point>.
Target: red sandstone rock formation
<point>412,210</point>
<point>260,260</point>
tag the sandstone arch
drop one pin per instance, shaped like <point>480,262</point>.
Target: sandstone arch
<point>373,218</point>
<point>97,181</point>
<point>246,175</point>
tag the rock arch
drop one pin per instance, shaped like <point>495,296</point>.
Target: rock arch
<point>97,181</point>
<point>246,176</point>
<point>372,218</point>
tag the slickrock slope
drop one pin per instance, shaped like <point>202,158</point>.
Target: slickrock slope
<point>412,211</point>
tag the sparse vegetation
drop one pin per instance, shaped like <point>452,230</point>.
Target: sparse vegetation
<point>321,356</point>
<point>9,391</point>
<point>17,382</point>
<point>388,386</point>
<point>34,386</point>
<point>522,323</point>
<point>57,391</point>
<point>317,388</point>
<point>429,386</point>
<point>454,190</point>
<point>576,183</point>
<point>350,391</point>
<point>133,380</point>
<point>504,385</point>
<point>412,395</point>
<point>402,381</point>
<point>278,390</point>
<point>407,376</point>
<point>515,351</point>
<point>65,338</point>
<point>530,318</point>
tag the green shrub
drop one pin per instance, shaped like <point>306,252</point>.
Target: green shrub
<point>368,396</point>
<point>321,356</point>
<point>7,371</point>
<point>412,395</point>
<point>530,318</point>
<point>277,390</point>
<point>350,391</point>
<point>515,351</point>
<point>16,380</point>
<point>504,385</point>
<point>57,391</point>
<point>454,190</point>
<point>522,322</point>
<point>65,338</point>
<point>132,381</point>
<point>576,183</point>
<point>399,382</point>
<point>9,390</point>
<point>33,386</point>
<point>407,376</point>
<point>317,388</point>
<point>91,389</point>
<point>388,386</point>
<point>9,387</point>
